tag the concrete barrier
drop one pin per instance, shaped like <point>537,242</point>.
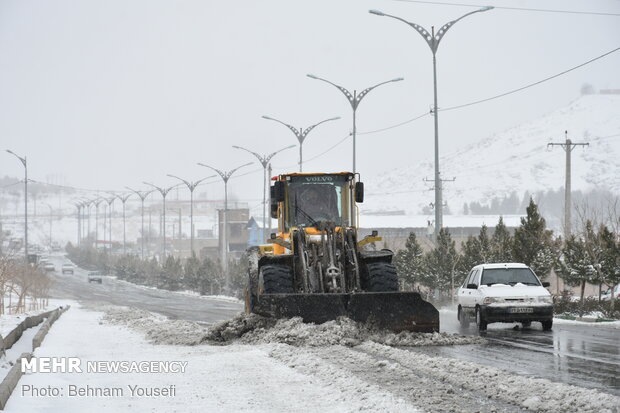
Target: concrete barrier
<point>47,324</point>
<point>16,333</point>
<point>12,378</point>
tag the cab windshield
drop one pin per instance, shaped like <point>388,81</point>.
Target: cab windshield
<point>313,199</point>
<point>509,276</point>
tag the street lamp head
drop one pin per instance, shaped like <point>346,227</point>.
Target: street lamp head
<point>377,12</point>
<point>398,79</point>
<point>311,76</point>
<point>267,117</point>
<point>487,8</point>
<point>336,118</point>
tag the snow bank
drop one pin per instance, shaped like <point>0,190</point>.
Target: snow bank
<point>254,329</point>
<point>158,329</point>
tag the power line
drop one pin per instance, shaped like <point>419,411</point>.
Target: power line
<point>531,84</point>
<point>512,8</point>
<point>395,126</point>
<point>496,96</point>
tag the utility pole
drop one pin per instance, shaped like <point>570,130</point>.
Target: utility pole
<point>568,147</point>
<point>443,204</point>
<point>300,134</point>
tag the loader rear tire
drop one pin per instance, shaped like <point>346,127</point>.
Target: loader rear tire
<point>381,277</point>
<point>277,279</point>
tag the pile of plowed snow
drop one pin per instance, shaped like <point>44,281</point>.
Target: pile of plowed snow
<point>158,329</point>
<point>254,329</point>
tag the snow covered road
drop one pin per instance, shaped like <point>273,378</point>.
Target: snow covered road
<point>172,305</point>
<point>573,353</point>
<point>274,377</point>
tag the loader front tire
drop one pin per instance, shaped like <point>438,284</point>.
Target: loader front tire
<point>277,279</point>
<point>381,277</point>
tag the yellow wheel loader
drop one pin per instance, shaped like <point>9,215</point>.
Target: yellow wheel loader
<point>316,268</point>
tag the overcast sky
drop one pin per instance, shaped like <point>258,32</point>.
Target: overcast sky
<point>111,93</point>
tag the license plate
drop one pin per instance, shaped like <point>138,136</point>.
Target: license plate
<point>521,310</point>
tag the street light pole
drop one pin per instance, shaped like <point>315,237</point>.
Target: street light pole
<point>123,199</point>
<point>51,216</point>
<point>97,202</point>
<point>300,133</point>
<point>225,175</point>
<point>110,201</point>
<point>264,160</point>
<point>25,163</point>
<point>354,100</point>
<point>142,195</point>
<point>191,186</point>
<point>163,192</point>
<point>433,39</point>
<point>78,205</point>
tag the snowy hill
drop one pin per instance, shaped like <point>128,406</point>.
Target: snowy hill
<point>514,160</point>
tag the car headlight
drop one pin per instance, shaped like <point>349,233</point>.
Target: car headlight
<point>545,299</point>
<point>491,300</point>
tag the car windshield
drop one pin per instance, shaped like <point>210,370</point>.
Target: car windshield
<point>509,276</point>
<point>316,198</point>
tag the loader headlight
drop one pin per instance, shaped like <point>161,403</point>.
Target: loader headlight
<point>545,299</point>
<point>491,300</point>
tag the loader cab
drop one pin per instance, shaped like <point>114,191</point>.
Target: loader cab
<point>304,200</point>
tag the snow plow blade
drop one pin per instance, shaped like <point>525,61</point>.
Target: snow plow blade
<point>396,311</point>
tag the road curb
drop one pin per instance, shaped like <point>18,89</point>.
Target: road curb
<point>47,324</point>
<point>15,334</point>
<point>12,378</point>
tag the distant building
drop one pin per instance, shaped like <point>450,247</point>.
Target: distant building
<point>238,234</point>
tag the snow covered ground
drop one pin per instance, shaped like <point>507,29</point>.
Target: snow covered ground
<point>516,159</point>
<point>271,376</point>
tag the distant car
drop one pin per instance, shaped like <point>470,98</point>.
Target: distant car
<point>48,266</point>
<point>606,296</point>
<point>95,277</point>
<point>506,292</point>
<point>67,268</point>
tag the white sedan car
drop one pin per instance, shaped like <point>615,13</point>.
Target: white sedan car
<point>506,292</point>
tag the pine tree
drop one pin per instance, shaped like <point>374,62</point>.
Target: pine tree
<point>170,274</point>
<point>501,244</point>
<point>575,267</point>
<point>470,255</point>
<point>484,244</point>
<point>610,260</point>
<point>533,242</point>
<point>440,264</point>
<point>409,262</point>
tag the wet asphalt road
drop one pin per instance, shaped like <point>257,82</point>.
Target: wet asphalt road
<point>111,291</point>
<point>582,355</point>
<point>587,356</point>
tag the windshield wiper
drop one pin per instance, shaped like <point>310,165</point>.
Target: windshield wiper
<point>313,222</point>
